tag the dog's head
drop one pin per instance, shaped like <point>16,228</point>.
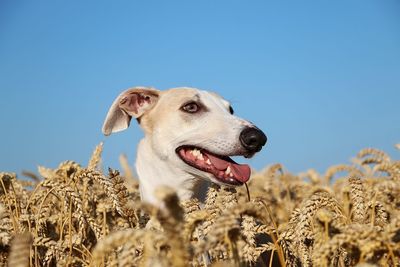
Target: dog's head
<point>193,130</point>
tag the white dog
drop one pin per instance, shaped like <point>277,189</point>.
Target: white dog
<point>189,136</point>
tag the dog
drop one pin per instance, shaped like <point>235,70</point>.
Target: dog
<point>189,137</point>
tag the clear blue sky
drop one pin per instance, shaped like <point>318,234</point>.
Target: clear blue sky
<point>321,78</point>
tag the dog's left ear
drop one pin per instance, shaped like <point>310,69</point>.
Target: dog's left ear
<point>130,103</point>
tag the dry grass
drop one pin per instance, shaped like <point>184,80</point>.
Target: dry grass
<point>79,216</point>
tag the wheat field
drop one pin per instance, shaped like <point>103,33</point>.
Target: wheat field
<point>79,216</point>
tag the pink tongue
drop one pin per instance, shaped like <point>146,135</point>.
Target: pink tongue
<point>218,163</point>
<point>240,172</point>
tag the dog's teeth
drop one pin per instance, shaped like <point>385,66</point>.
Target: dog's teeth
<point>208,161</point>
<point>230,174</point>
<point>195,152</point>
<point>228,170</point>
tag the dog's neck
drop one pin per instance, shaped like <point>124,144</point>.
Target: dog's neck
<point>154,172</point>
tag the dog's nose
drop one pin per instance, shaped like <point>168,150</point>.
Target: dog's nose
<point>253,139</point>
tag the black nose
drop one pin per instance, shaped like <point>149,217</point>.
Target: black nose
<point>253,139</point>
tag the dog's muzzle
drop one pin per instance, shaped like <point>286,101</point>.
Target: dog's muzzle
<point>252,139</point>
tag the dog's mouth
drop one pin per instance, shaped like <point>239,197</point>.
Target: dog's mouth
<point>223,168</point>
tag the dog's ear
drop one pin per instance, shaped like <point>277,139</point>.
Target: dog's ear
<point>130,103</point>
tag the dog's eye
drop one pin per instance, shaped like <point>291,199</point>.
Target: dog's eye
<point>231,110</point>
<point>191,107</point>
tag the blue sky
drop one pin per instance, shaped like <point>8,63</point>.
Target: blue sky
<point>321,78</point>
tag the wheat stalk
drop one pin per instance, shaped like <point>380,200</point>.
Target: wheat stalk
<point>79,216</point>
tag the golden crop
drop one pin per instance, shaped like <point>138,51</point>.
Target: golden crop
<point>78,216</point>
